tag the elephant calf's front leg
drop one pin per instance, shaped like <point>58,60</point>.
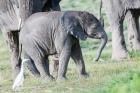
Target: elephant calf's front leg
<point>63,61</point>
<point>76,55</point>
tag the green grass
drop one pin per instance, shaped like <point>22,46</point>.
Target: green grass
<point>106,76</point>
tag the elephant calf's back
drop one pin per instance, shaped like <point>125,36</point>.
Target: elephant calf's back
<point>37,34</point>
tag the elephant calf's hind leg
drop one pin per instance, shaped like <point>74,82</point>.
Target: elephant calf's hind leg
<point>43,68</point>
<point>31,66</point>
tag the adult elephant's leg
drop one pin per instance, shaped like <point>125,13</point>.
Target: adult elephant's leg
<point>12,39</point>
<point>57,8</point>
<point>47,8</point>
<point>76,55</point>
<point>119,50</point>
<point>133,30</point>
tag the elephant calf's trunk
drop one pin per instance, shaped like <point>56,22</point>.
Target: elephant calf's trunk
<point>102,45</point>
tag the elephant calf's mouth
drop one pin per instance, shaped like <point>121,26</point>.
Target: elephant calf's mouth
<point>95,36</point>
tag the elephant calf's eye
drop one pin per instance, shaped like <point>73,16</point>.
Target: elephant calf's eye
<point>94,26</point>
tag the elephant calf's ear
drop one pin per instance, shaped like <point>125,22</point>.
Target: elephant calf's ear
<point>72,26</point>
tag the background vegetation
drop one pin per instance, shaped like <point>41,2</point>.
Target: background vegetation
<point>106,76</point>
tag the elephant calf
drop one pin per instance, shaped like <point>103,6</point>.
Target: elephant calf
<point>45,34</point>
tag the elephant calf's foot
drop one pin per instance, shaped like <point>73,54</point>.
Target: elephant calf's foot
<point>84,75</point>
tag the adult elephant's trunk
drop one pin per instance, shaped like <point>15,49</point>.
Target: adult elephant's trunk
<point>102,45</point>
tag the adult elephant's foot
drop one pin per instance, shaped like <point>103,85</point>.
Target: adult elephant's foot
<point>136,47</point>
<point>134,44</point>
<point>48,78</point>
<point>60,78</point>
<point>16,64</point>
<point>119,54</point>
<point>16,71</point>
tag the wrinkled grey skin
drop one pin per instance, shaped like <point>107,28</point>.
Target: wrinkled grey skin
<point>12,16</point>
<point>45,34</point>
<point>133,29</point>
<point>116,11</point>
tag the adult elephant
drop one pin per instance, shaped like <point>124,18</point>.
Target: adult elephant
<point>116,11</point>
<point>13,13</point>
